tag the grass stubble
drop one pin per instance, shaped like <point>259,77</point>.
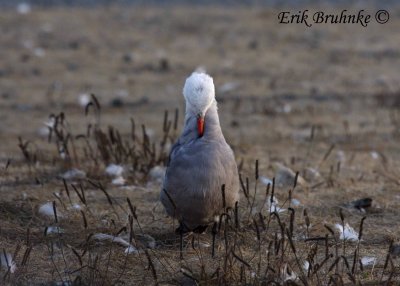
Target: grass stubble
<point>253,243</point>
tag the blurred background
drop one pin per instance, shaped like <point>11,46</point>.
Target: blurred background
<point>273,81</point>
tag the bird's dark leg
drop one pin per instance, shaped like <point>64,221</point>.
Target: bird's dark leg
<point>180,229</point>
<point>200,229</point>
<point>214,233</point>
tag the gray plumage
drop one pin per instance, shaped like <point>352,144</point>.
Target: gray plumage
<point>198,167</point>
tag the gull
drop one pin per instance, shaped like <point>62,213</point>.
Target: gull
<point>200,162</point>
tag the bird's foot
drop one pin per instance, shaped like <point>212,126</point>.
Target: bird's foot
<point>200,229</point>
<point>183,229</point>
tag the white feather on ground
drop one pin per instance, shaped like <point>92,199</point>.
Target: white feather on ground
<point>118,181</point>
<point>157,174</point>
<point>115,239</point>
<point>288,274</point>
<point>48,211</point>
<point>348,233</point>
<point>274,205</point>
<point>306,266</point>
<point>54,229</point>
<point>341,157</point>
<point>312,174</point>
<point>39,52</point>
<point>7,262</point>
<point>266,181</point>
<point>47,125</point>
<point>73,174</point>
<point>130,249</point>
<point>368,260</point>
<point>295,202</point>
<point>76,206</point>
<point>84,99</point>
<point>285,177</point>
<point>374,155</point>
<point>114,170</point>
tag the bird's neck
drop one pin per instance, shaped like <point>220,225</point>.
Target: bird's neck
<point>212,128</point>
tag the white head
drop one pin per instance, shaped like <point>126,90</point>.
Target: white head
<point>199,93</point>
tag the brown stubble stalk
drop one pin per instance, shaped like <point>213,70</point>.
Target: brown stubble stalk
<point>131,236</point>
<point>357,249</point>
<point>50,248</point>
<point>387,259</point>
<point>310,146</point>
<point>99,186</point>
<point>214,232</point>
<point>80,194</point>
<point>256,175</point>
<point>337,257</point>
<point>344,238</point>
<point>293,247</point>
<point>30,155</point>
<point>67,191</point>
<point>244,189</point>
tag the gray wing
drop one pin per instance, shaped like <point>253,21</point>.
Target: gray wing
<point>174,149</point>
<point>194,176</point>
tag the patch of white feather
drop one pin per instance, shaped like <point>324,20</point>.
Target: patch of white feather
<point>114,170</point>
<point>7,262</point>
<point>73,174</point>
<point>83,99</point>
<point>109,237</point>
<point>295,202</point>
<point>115,239</point>
<point>306,266</point>
<point>374,155</point>
<point>157,174</point>
<point>266,181</point>
<point>47,210</point>
<point>131,249</point>
<point>368,260</point>
<point>118,181</point>
<point>54,229</point>
<point>199,92</point>
<point>274,205</point>
<point>288,274</point>
<point>77,207</point>
<point>347,232</point>
<point>47,125</point>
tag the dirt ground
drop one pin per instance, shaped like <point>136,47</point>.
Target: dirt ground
<point>323,101</point>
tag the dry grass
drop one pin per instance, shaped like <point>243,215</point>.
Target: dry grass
<point>253,243</point>
<point>341,123</point>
